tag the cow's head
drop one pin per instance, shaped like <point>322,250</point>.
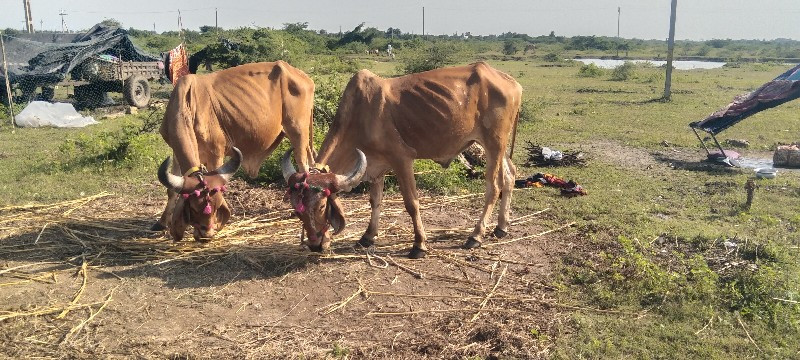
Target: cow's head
<point>200,202</point>
<point>313,197</point>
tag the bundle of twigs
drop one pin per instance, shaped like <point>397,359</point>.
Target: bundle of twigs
<point>536,158</point>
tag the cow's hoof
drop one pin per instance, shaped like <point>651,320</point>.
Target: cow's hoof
<point>417,253</point>
<point>317,248</point>
<point>158,227</point>
<point>366,242</point>
<point>499,233</point>
<point>471,243</point>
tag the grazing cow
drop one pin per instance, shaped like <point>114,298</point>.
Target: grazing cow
<point>244,112</point>
<point>431,115</point>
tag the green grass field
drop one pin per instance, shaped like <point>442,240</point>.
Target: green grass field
<point>650,232</point>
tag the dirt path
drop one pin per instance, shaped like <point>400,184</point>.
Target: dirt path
<point>256,294</point>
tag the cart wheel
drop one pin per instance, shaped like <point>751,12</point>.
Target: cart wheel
<point>137,91</point>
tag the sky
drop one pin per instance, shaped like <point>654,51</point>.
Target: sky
<point>642,19</point>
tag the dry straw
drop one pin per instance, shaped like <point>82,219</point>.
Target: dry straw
<point>105,235</point>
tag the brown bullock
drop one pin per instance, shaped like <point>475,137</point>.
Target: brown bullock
<point>243,112</point>
<point>431,115</point>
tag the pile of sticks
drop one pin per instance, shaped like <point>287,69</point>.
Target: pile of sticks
<point>569,158</point>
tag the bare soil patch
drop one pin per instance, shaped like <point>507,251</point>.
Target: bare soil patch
<point>84,279</point>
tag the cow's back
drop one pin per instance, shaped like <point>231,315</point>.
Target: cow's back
<point>437,113</point>
<point>253,103</point>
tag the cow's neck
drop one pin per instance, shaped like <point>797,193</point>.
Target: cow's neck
<point>336,154</point>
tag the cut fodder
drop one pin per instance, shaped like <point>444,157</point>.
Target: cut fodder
<point>104,229</point>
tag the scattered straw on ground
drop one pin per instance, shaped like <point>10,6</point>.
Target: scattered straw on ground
<point>104,235</point>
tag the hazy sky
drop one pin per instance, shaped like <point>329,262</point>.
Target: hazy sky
<point>644,19</point>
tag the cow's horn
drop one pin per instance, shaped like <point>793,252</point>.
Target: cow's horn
<point>167,179</point>
<point>229,168</point>
<point>348,182</point>
<point>286,165</point>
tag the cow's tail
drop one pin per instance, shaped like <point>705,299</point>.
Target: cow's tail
<point>514,135</point>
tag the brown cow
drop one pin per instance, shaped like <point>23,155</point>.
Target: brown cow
<point>251,107</point>
<point>431,115</point>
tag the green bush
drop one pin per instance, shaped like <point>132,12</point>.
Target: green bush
<point>510,47</point>
<point>327,93</point>
<point>136,143</point>
<point>433,56</point>
<point>624,72</point>
<point>552,57</point>
<point>591,70</point>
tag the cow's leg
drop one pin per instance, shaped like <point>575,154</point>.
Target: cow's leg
<point>299,139</point>
<point>494,161</point>
<point>375,199</point>
<point>172,198</point>
<point>408,187</point>
<point>506,179</point>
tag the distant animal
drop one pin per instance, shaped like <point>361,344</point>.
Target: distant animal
<point>384,124</point>
<point>243,112</point>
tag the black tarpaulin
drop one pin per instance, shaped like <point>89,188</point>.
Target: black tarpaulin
<point>48,58</point>
<point>783,88</point>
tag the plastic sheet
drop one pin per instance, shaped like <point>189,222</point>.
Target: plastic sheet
<point>43,113</point>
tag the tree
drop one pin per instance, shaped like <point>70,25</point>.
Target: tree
<point>294,28</point>
<point>510,47</point>
<point>393,31</point>
<point>111,22</point>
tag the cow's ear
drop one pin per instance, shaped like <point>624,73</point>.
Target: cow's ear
<point>180,219</point>
<point>335,215</point>
<point>223,214</point>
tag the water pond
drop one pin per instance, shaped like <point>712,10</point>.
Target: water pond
<point>679,65</point>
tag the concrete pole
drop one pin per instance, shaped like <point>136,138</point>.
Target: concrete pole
<point>28,18</point>
<point>670,49</point>
<point>8,82</point>
<point>619,12</point>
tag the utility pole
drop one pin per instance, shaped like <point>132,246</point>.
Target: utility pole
<point>670,48</point>
<point>423,21</point>
<point>9,95</point>
<point>619,12</point>
<point>63,24</point>
<point>28,18</point>
<point>216,21</point>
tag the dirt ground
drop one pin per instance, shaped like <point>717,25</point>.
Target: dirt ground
<point>83,279</point>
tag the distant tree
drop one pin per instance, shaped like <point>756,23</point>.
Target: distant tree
<point>359,34</point>
<point>509,47</point>
<point>111,22</point>
<point>393,31</point>
<point>294,28</point>
<point>205,29</point>
<point>434,56</point>
<point>718,43</point>
<point>552,34</point>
